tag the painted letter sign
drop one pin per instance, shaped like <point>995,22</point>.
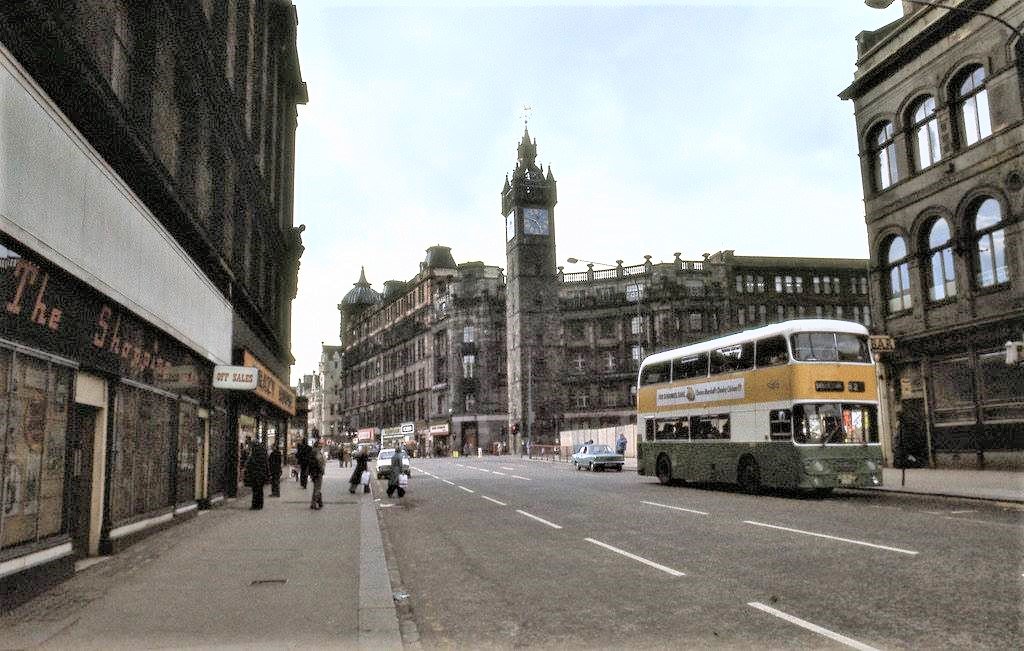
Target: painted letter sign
<point>244,378</point>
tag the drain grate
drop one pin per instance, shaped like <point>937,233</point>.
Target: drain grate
<point>269,582</point>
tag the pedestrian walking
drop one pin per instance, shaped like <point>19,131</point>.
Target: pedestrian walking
<point>346,456</point>
<point>620,443</point>
<point>274,467</point>
<point>302,455</point>
<point>317,465</point>
<point>529,449</point>
<point>397,480</point>
<point>362,459</point>
<point>255,473</point>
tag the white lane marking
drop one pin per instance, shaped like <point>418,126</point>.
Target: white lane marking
<point>491,499</point>
<point>643,560</point>
<point>821,535</point>
<point>518,477</point>
<point>467,489</point>
<point>674,508</point>
<point>450,483</point>
<point>460,465</point>
<point>498,473</point>
<point>962,511</point>
<point>530,515</point>
<point>842,639</point>
<point>507,468</point>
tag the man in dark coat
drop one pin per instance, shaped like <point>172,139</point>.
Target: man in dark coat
<point>274,466</point>
<point>256,472</point>
<point>302,455</point>
<point>397,470</point>
<point>362,458</point>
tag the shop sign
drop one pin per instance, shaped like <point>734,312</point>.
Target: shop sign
<point>43,306</point>
<point>439,430</point>
<point>367,434</point>
<point>268,387</point>
<point>242,378</point>
<point>408,428</point>
<point>882,344</point>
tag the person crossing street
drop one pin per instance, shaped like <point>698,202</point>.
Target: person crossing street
<point>317,465</point>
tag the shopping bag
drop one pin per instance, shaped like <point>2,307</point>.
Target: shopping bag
<point>403,480</point>
<point>366,478</point>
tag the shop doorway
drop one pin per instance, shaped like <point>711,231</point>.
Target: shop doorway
<point>81,435</point>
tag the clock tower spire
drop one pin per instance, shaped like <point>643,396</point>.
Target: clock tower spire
<point>533,319</point>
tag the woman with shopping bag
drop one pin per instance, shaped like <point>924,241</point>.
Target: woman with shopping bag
<point>360,474</point>
<point>398,480</point>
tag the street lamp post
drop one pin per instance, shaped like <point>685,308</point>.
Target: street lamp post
<point>639,292</point>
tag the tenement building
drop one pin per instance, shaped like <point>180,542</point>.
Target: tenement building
<point>940,124</point>
<point>145,237</point>
<point>462,356</point>
<point>427,353</point>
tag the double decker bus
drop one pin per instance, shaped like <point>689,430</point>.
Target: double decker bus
<point>791,405</point>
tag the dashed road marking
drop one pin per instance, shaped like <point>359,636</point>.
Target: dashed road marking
<point>450,483</point>
<point>530,515</point>
<point>821,535</point>
<point>658,566</point>
<point>842,639</point>
<point>674,508</point>
<point>518,477</point>
<point>507,468</point>
<point>498,473</point>
<point>468,490</point>
<point>491,499</point>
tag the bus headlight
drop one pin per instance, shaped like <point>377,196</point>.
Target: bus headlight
<point>814,465</point>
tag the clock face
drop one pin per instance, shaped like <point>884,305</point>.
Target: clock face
<point>535,221</point>
<point>510,226</point>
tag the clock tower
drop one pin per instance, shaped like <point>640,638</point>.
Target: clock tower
<point>533,321</point>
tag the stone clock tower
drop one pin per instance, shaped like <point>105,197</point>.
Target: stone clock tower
<point>531,299</point>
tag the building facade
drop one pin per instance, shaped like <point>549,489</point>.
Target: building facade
<point>145,237</point>
<point>938,101</point>
<point>435,353</point>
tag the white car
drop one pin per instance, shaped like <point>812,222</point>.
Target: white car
<point>384,463</point>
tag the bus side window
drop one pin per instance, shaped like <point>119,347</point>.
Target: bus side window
<point>654,373</point>
<point>649,427</point>
<point>772,352</point>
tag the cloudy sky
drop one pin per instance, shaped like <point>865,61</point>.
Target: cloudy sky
<point>687,126</point>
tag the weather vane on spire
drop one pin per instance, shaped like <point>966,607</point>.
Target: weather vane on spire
<point>526,114</point>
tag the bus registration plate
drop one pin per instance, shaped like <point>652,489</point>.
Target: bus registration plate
<point>847,478</point>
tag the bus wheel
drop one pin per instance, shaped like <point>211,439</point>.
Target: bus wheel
<point>663,469</point>
<point>749,476</point>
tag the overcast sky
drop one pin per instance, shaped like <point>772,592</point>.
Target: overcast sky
<point>687,126</point>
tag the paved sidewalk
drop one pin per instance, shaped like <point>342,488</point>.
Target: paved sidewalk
<point>283,577</point>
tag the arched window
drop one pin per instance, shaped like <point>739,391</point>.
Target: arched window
<point>990,262</point>
<point>926,132</point>
<point>940,261</point>
<point>973,99</point>
<point>899,275</point>
<point>884,155</point>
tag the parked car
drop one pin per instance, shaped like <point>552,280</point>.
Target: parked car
<point>384,462</point>
<point>597,456</point>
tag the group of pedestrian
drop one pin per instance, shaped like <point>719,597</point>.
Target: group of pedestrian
<point>261,468</point>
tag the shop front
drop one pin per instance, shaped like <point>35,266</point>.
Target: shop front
<point>105,422</point>
<point>258,415</point>
<point>108,334</point>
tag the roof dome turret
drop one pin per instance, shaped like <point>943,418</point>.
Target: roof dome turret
<point>361,293</point>
<point>393,289</point>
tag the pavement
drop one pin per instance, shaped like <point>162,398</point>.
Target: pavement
<point>286,576</point>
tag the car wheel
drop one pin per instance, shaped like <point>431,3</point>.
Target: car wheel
<point>618,468</point>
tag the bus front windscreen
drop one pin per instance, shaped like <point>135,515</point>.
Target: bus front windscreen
<point>833,422</point>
